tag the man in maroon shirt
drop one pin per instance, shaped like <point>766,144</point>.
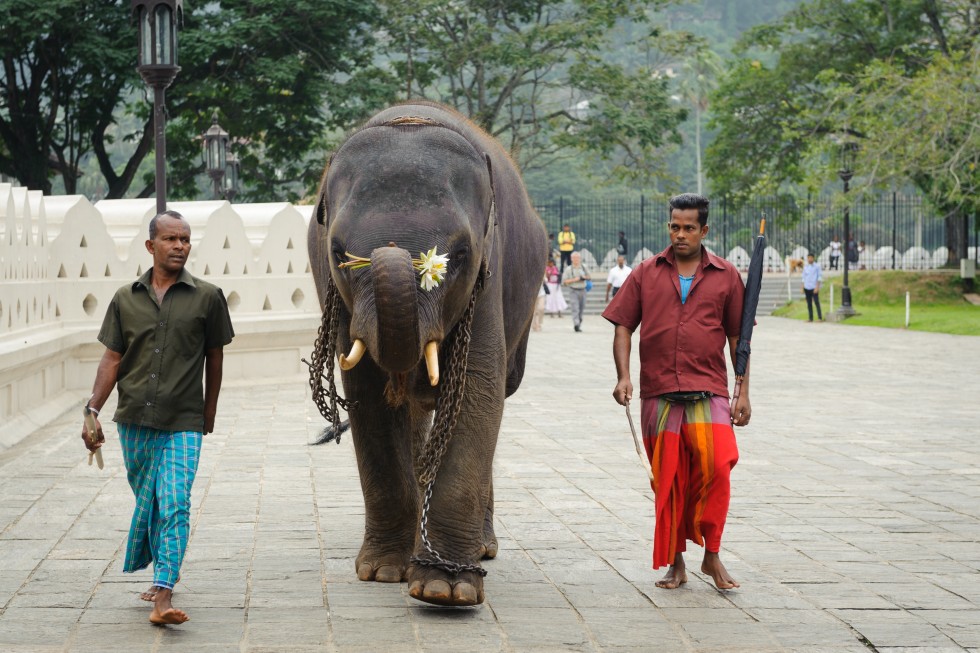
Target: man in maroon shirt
<point>687,303</point>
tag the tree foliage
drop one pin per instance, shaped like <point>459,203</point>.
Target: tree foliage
<point>898,77</point>
<point>536,74</point>
<point>268,67</point>
<point>62,71</point>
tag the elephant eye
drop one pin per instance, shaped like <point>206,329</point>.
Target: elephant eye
<point>338,253</point>
<point>458,257</point>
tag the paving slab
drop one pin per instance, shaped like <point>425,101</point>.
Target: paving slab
<point>854,520</point>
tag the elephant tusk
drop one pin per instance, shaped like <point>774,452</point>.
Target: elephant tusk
<point>354,357</point>
<point>432,362</point>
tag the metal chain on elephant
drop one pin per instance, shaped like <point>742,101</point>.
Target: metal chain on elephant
<point>447,412</point>
<point>321,363</point>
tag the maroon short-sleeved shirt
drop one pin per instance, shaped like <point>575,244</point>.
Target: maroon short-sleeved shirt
<point>682,346</point>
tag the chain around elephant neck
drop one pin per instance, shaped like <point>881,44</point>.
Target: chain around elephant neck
<point>321,364</point>
<point>447,412</point>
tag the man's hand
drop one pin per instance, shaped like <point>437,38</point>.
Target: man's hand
<point>816,291</point>
<point>623,392</point>
<point>209,415</point>
<point>100,437</point>
<point>741,410</point>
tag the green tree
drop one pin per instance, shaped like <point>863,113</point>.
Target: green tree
<point>273,70</point>
<point>848,68</point>
<point>921,126</point>
<point>699,77</point>
<point>537,75</point>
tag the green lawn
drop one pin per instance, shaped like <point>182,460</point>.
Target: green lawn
<point>879,297</point>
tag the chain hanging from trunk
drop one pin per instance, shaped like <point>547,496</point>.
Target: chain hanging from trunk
<point>447,412</point>
<point>322,368</point>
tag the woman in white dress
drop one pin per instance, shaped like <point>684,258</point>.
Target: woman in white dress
<point>554,303</point>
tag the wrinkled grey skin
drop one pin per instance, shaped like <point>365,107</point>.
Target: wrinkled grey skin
<point>420,186</point>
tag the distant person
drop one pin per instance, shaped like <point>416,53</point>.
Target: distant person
<point>574,278</point>
<point>812,276</point>
<point>622,247</point>
<point>554,303</point>
<point>566,245</point>
<point>552,249</point>
<point>617,275</point>
<point>543,292</point>
<point>852,252</point>
<point>835,253</point>
<point>862,248</point>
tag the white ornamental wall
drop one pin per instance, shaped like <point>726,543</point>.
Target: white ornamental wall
<point>62,258</point>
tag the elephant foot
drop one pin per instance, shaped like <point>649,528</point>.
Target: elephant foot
<point>389,568</point>
<point>439,587</point>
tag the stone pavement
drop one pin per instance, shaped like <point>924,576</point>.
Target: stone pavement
<point>854,523</point>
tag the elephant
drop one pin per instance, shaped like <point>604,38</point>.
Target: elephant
<point>425,367</point>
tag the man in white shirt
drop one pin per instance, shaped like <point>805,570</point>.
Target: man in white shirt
<point>617,276</point>
<point>812,276</point>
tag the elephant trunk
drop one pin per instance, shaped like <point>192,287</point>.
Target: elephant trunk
<point>396,303</point>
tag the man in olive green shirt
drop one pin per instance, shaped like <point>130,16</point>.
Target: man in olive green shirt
<point>162,333</point>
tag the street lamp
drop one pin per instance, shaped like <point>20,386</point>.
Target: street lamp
<point>848,149</point>
<point>157,21</point>
<point>231,177</point>
<point>216,154</point>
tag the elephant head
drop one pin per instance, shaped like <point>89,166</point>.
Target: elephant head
<point>392,192</point>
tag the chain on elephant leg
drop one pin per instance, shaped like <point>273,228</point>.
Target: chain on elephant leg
<point>440,581</point>
<point>434,559</point>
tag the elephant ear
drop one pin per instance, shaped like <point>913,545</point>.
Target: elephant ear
<point>486,157</point>
<point>320,208</point>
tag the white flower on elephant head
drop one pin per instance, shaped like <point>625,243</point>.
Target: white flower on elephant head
<point>432,267</point>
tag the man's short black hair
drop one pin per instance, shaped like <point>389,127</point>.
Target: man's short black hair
<point>691,201</point>
<point>169,213</point>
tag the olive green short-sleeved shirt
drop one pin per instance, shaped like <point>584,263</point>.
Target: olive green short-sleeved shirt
<point>161,374</point>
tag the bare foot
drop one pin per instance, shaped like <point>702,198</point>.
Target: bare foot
<point>713,567</point>
<point>676,574</point>
<point>152,592</point>
<point>163,610</point>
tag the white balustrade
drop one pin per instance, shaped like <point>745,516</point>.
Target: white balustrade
<point>62,259</point>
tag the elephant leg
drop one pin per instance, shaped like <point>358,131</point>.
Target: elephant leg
<point>515,366</point>
<point>383,444</point>
<point>489,536</point>
<point>457,513</point>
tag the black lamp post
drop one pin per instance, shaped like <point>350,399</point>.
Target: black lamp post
<point>231,177</point>
<point>216,154</point>
<point>846,171</point>
<point>157,20</point>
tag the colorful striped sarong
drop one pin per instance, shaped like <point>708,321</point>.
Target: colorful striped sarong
<point>692,450</point>
<point>160,466</point>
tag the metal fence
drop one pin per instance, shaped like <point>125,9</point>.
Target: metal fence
<point>894,220</point>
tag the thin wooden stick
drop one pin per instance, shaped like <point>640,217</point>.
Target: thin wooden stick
<point>641,452</point>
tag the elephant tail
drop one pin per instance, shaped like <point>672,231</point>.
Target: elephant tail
<point>332,433</point>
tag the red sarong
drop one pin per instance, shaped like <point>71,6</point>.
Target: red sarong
<point>691,447</point>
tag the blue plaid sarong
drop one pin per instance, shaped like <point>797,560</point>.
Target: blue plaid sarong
<point>160,466</point>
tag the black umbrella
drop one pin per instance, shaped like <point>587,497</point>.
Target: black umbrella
<point>753,285</point>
